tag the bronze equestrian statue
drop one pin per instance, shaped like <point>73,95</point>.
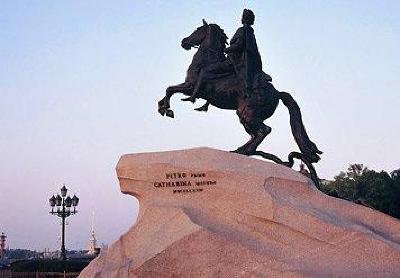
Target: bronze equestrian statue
<point>232,78</point>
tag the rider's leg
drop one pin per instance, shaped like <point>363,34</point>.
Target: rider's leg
<point>216,68</point>
<point>196,90</point>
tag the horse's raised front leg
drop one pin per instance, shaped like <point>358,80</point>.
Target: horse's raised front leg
<point>164,103</point>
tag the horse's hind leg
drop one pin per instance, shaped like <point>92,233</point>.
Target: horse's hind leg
<point>262,132</point>
<point>255,128</point>
<point>257,136</point>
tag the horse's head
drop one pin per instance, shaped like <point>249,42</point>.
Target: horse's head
<point>197,37</point>
<point>211,33</point>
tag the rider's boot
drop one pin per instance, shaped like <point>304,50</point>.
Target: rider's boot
<point>204,107</point>
<point>192,98</point>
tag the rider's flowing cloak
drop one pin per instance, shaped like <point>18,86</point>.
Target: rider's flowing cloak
<point>245,54</point>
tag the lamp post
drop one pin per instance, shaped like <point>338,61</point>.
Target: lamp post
<point>63,204</point>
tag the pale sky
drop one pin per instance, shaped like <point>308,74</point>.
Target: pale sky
<point>80,81</point>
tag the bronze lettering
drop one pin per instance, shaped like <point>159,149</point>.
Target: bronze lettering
<point>176,180</point>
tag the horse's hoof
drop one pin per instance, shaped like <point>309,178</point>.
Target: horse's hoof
<point>170,113</point>
<point>162,111</point>
<point>243,150</point>
<point>239,151</point>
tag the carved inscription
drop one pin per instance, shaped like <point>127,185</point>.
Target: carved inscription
<point>185,182</point>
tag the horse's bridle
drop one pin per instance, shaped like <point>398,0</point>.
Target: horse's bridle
<point>209,48</point>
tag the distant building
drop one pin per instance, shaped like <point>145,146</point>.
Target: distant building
<point>2,245</point>
<point>324,181</point>
<point>92,250</point>
<point>47,254</point>
<point>395,174</point>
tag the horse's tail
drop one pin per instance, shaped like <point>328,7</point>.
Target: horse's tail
<point>307,147</point>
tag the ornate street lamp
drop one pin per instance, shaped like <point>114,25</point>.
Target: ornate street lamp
<point>63,203</point>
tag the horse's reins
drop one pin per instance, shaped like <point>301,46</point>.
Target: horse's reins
<point>209,48</point>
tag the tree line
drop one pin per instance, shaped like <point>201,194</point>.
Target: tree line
<point>377,190</point>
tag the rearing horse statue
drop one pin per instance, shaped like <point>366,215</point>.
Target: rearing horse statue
<point>226,91</point>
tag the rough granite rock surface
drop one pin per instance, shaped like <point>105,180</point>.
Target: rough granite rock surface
<point>236,216</point>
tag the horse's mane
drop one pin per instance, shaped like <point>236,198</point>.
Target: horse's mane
<point>222,36</point>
